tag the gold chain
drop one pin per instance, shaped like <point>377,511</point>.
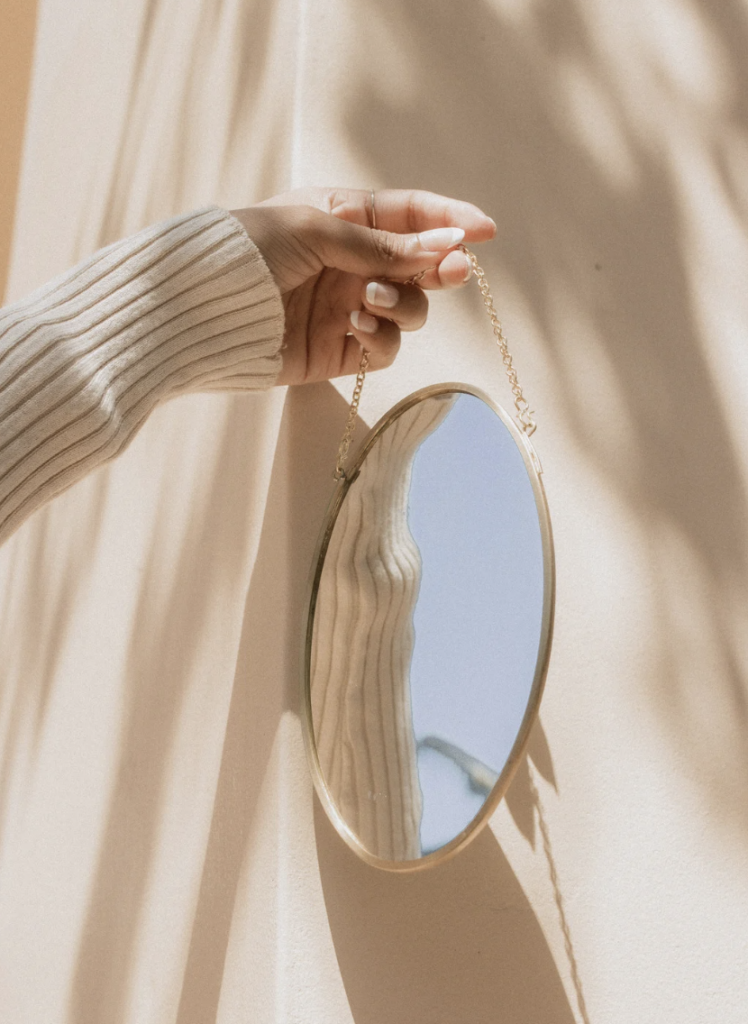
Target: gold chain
<point>345,441</point>
<point>524,414</point>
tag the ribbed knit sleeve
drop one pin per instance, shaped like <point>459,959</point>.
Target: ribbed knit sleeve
<point>186,305</point>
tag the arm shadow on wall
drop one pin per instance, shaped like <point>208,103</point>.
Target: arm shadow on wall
<point>513,109</point>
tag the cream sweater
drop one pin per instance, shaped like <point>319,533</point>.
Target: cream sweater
<point>186,305</point>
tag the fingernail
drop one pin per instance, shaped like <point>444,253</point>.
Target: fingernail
<point>363,322</point>
<point>384,295</point>
<point>495,227</point>
<point>468,270</point>
<point>440,238</point>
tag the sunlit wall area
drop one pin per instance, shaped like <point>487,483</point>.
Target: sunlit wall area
<point>161,856</point>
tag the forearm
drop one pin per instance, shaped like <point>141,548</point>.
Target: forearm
<point>186,305</point>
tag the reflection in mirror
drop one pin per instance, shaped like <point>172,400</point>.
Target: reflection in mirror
<point>431,627</point>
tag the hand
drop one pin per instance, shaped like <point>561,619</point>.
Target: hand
<point>343,283</point>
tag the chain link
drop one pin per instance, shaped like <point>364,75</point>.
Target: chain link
<point>524,413</point>
<point>345,441</point>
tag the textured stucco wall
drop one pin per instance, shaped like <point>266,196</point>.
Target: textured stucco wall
<point>161,856</point>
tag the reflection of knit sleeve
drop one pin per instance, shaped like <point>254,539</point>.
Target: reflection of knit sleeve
<point>186,305</point>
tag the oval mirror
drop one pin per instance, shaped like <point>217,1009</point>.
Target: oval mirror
<point>429,628</point>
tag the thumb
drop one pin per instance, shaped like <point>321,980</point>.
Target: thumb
<point>370,253</point>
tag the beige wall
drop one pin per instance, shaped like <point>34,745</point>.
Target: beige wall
<point>161,856</point>
<point>18,21</point>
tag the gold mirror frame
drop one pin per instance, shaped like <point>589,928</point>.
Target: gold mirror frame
<point>534,471</point>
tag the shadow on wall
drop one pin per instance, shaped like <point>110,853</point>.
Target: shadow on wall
<point>487,124</point>
<point>471,913</point>
<point>300,490</point>
<point>166,631</point>
<point>515,112</point>
<point>229,47</point>
<point>45,575</point>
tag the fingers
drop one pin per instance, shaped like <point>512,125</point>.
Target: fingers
<point>389,308</point>
<point>380,338</point>
<point>452,272</point>
<point>370,254</point>
<point>411,210</point>
<point>405,304</point>
<point>298,241</point>
<point>403,211</point>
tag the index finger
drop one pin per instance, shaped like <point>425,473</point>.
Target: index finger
<point>408,211</point>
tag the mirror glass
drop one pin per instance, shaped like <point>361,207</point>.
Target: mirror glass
<point>429,628</point>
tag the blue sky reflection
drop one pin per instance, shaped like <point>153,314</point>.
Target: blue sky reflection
<point>477,620</point>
